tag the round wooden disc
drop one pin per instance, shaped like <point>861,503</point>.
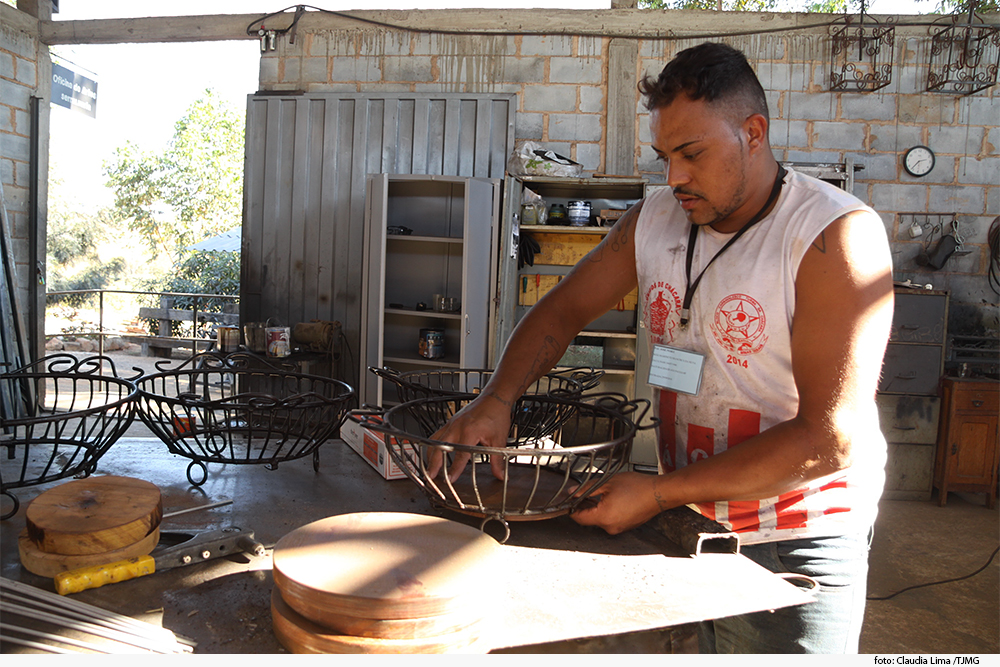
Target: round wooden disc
<point>94,515</point>
<point>464,619</point>
<point>387,565</point>
<point>44,564</point>
<point>300,635</point>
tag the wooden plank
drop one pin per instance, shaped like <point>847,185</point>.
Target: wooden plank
<point>534,287</point>
<point>623,55</point>
<point>611,23</point>
<point>179,315</point>
<point>564,249</point>
<point>164,342</point>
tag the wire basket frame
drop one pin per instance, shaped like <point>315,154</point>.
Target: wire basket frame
<point>412,385</point>
<point>861,56</point>
<point>964,58</point>
<point>240,409</point>
<point>59,416</point>
<point>559,453</point>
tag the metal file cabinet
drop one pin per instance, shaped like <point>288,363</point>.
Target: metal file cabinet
<point>908,401</point>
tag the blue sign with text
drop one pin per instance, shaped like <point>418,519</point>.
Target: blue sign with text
<point>74,91</point>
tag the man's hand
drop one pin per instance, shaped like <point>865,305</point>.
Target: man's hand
<point>627,500</point>
<point>485,421</point>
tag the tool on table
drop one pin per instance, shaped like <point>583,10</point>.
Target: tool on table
<point>194,549</point>
<point>221,503</point>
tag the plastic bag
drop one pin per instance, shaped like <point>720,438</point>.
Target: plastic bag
<point>530,159</point>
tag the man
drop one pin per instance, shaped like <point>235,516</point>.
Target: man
<point>768,298</point>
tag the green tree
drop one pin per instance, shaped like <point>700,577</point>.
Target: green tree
<point>72,257</point>
<point>962,6</point>
<point>190,191</point>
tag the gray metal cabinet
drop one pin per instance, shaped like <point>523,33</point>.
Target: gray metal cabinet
<point>908,401</point>
<point>613,342</point>
<point>426,235</point>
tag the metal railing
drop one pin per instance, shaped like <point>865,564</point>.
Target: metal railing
<point>198,314</point>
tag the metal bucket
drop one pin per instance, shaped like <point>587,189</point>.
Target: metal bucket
<point>227,339</point>
<point>255,337</point>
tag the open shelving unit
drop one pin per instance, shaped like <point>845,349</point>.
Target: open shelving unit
<point>425,235</point>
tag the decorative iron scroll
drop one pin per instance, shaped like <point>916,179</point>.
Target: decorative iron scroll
<point>861,58</point>
<point>964,58</point>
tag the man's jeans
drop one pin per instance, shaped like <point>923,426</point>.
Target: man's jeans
<point>830,625</point>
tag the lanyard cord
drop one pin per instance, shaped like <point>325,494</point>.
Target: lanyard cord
<point>693,237</point>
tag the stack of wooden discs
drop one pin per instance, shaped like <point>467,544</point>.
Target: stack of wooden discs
<point>90,522</point>
<point>384,583</point>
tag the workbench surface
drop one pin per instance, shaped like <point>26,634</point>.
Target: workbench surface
<point>565,582</point>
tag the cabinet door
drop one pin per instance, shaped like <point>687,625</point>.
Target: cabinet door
<point>972,443</point>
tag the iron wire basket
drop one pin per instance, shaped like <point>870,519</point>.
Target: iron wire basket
<point>559,452</point>
<point>58,416</point>
<point>412,385</point>
<point>240,409</point>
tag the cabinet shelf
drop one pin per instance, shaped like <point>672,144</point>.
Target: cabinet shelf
<point>416,360</point>
<point>429,314</point>
<point>401,238</point>
<point>565,229</point>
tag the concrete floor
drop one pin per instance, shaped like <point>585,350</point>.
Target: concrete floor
<point>919,542</point>
<point>224,603</point>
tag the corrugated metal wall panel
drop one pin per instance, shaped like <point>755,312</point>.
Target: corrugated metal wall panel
<point>308,157</point>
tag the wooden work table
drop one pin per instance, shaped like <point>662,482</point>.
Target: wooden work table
<point>563,582</point>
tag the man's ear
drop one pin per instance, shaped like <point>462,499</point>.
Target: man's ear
<point>755,131</point>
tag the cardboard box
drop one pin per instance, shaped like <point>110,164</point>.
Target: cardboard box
<point>371,446</point>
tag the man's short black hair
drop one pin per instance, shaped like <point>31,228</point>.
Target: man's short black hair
<point>712,72</point>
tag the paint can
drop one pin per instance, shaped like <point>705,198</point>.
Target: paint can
<point>279,341</point>
<point>579,213</point>
<point>431,343</point>
<point>227,339</point>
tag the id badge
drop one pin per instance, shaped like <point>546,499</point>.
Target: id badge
<point>676,370</point>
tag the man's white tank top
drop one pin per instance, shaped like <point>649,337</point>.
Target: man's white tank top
<point>741,321</point>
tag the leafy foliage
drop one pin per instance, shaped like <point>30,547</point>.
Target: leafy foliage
<point>191,191</point>
<point>962,6</point>
<point>72,258</point>
<point>207,272</point>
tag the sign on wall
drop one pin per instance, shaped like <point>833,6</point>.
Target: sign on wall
<point>73,90</point>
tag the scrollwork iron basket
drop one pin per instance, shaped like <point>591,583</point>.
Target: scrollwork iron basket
<point>412,385</point>
<point>240,409</point>
<point>58,417</point>
<point>559,453</point>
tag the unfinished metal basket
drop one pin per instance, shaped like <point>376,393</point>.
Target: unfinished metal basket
<point>412,385</point>
<point>241,409</point>
<point>58,416</point>
<point>559,453</point>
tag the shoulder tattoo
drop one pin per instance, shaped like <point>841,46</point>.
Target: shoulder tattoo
<point>820,242</point>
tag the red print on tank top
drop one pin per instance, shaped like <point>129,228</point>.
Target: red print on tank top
<point>660,303</point>
<point>739,324</point>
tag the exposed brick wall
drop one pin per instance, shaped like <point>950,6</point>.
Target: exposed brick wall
<point>562,87</point>
<point>24,66</point>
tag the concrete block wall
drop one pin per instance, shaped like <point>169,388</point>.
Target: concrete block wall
<point>562,87</point>
<point>24,69</point>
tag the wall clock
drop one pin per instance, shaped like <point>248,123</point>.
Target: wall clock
<point>918,161</point>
